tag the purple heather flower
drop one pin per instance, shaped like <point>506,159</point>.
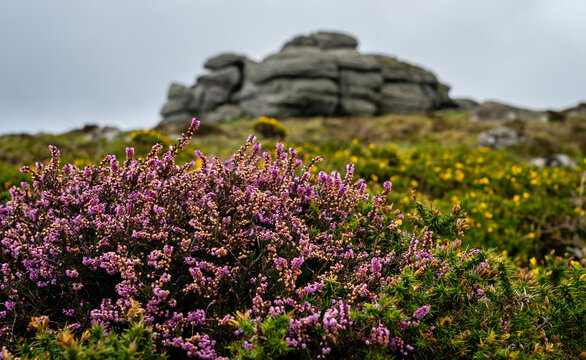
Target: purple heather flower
<point>375,265</point>
<point>421,312</point>
<point>129,153</point>
<point>387,185</point>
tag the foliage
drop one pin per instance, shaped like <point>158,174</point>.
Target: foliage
<point>135,342</point>
<point>262,258</point>
<point>269,128</point>
<point>149,137</point>
<point>9,177</point>
<point>512,206</point>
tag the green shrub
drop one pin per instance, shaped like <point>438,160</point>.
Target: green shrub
<point>9,176</point>
<point>269,128</point>
<point>135,342</point>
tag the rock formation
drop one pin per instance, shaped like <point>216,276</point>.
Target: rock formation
<point>495,111</point>
<point>501,137</point>
<point>555,160</point>
<point>317,75</point>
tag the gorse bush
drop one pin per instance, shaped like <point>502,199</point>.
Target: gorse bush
<point>269,128</point>
<point>262,258</point>
<point>134,343</point>
<point>149,137</point>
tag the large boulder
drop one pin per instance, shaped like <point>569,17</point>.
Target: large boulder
<point>223,113</point>
<point>495,111</point>
<point>183,117</point>
<point>555,160</point>
<point>215,89</point>
<point>97,132</point>
<point>177,91</point>
<point>407,98</point>
<point>359,92</point>
<point>224,60</point>
<point>360,81</point>
<point>286,97</point>
<point>178,99</point>
<point>324,40</point>
<point>210,91</point>
<point>295,63</point>
<point>228,78</point>
<point>353,60</point>
<point>408,88</point>
<point>395,71</point>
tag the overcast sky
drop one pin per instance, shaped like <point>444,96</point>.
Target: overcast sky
<point>65,63</point>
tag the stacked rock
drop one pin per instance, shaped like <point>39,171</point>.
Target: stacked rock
<point>210,92</point>
<point>408,88</point>
<point>317,75</point>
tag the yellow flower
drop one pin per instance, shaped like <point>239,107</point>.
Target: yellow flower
<point>583,276</point>
<point>374,177</point>
<point>535,271</point>
<point>516,198</point>
<point>414,183</point>
<point>504,253</point>
<point>506,336</point>
<point>533,261</point>
<point>400,222</point>
<point>354,141</point>
<point>531,235</point>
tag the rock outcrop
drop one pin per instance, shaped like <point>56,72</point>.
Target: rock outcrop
<point>495,111</point>
<point>576,111</point>
<point>555,160</point>
<point>501,137</point>
<point>321,74</point>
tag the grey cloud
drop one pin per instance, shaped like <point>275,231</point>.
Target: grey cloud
<point>64,63</point>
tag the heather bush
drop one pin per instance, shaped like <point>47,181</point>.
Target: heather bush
<point>260,258</point>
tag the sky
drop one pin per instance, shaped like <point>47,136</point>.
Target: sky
<point>66,63</point>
